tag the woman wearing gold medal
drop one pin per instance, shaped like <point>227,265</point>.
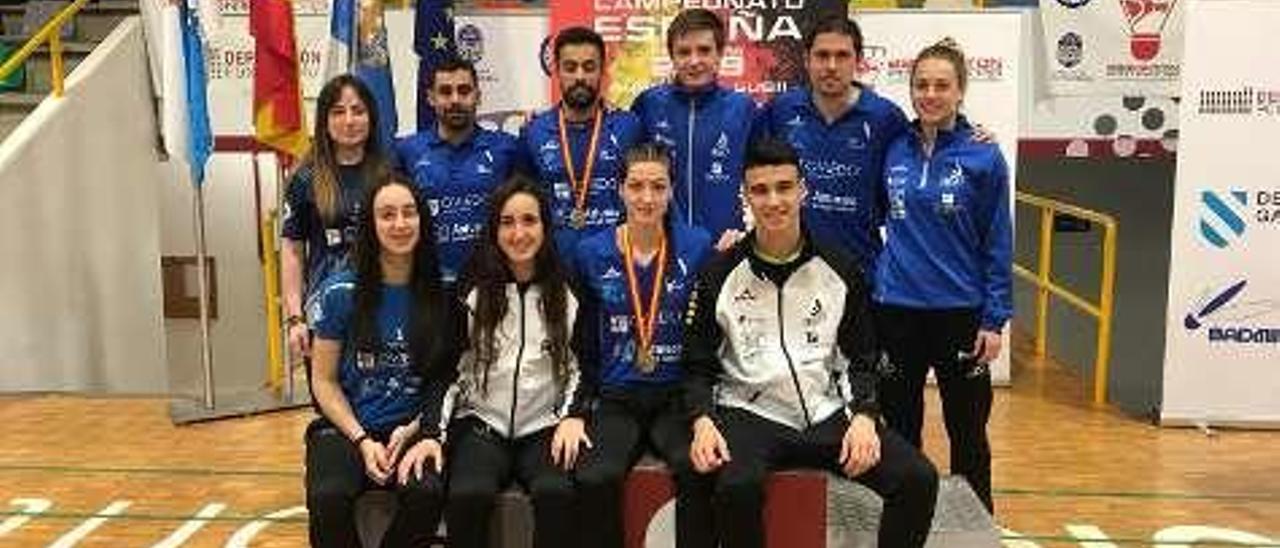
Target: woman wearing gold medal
<point>636,280</point>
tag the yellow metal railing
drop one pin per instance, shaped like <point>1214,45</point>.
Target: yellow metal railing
<point>1043,280</point>
<point>51,32</point>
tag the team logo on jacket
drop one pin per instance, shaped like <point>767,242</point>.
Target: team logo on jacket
<point>721,150</point>
<point>814,313</point>
<point>947,203</point>
<point>955,178</point>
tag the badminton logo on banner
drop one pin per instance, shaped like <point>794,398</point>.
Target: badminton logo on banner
<point>1222,352</point>
<point>1113,47</point>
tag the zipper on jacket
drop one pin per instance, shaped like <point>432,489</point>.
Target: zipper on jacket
<point>795,379</point>
<point>688,160</point>
<point>515,379</point>
<point>924,167</point>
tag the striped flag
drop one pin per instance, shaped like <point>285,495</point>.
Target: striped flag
<point>433,40</point>
<point>185,117</point>
<point>358,45</point>
<point>277,91</point>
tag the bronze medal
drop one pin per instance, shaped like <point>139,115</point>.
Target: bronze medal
<point>646,320</point>
<point>580,186</point>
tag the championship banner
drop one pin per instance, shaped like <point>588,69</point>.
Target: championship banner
<point>1222,351</point>
<point>1113,47</point>
<point>763,55</point>
<point>991,43</point>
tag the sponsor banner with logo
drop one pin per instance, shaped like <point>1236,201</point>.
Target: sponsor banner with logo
<point>990,41</point>
<point>1222,356</point>
<point>1113,47</point>
<point>763,56</point>
<point>504,48</point>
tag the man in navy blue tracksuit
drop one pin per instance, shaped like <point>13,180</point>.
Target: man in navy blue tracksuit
<point>575,148</point>
<point>840,129</point>
<point>457,163</point>
<point>708,127</point>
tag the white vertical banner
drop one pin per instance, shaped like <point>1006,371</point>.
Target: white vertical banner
<point>1113,47</point>
<point>991,42</point>
<point>1222,354</point>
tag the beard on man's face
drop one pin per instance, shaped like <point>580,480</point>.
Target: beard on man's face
<point>580,96</point>
<point>457,117</point>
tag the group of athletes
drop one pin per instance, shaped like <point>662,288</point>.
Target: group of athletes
<point>479,309</point>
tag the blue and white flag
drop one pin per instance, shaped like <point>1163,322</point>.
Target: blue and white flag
<point>358,45</point>
<point>185,118</point>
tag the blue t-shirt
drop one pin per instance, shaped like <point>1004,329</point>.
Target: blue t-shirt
<point>599,265</point>
<point>841,163</point>
<point>541,156</point>
<point>328,243</point>
<point>383,387</point>
<point>456,181</point>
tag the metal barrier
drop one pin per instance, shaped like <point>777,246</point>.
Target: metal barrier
<point>1043,280</point>
<point>51,32</point>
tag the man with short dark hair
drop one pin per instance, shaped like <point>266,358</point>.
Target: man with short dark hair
<point>575,148</point>
<point>457,163</point>
<point>708,126</point>
<point>840,129</point>
<point>783,368</point>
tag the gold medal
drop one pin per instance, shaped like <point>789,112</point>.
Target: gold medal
<point>580,185</point>
<point>645,361</point>
<point>646,320</point>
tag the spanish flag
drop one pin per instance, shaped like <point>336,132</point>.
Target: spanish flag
<point>277,90</point>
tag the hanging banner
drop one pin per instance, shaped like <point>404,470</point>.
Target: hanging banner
<point>1222,353</point>
<point>991,43</point>
<point>763,55</point>
<point>1113,47</point>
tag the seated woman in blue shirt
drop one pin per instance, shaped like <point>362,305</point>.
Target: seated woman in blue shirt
<point>377,356</point>
<point>636,280</point>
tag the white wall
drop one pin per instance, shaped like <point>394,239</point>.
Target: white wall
<point>79,233</point>
<point>238,334</point>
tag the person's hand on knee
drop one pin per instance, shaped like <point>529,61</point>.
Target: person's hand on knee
<point>567,442</point>
<point>860,449</point>
<point>377,461</point>
<point>709,450</point>
<point>427,450</point>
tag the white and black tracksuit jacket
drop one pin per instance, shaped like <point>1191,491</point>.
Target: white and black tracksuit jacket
<point>791,343</point>
<point>519,394</point>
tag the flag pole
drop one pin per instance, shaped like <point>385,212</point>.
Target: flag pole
<point>202,277</point>
<point>282,161</point>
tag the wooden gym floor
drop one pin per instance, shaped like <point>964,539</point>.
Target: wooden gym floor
<point>116,472</point>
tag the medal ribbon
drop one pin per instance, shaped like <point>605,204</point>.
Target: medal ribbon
<point>645,324</point>
<point>580,186</point>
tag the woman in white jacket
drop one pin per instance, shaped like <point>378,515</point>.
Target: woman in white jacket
<point>514,415</point>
